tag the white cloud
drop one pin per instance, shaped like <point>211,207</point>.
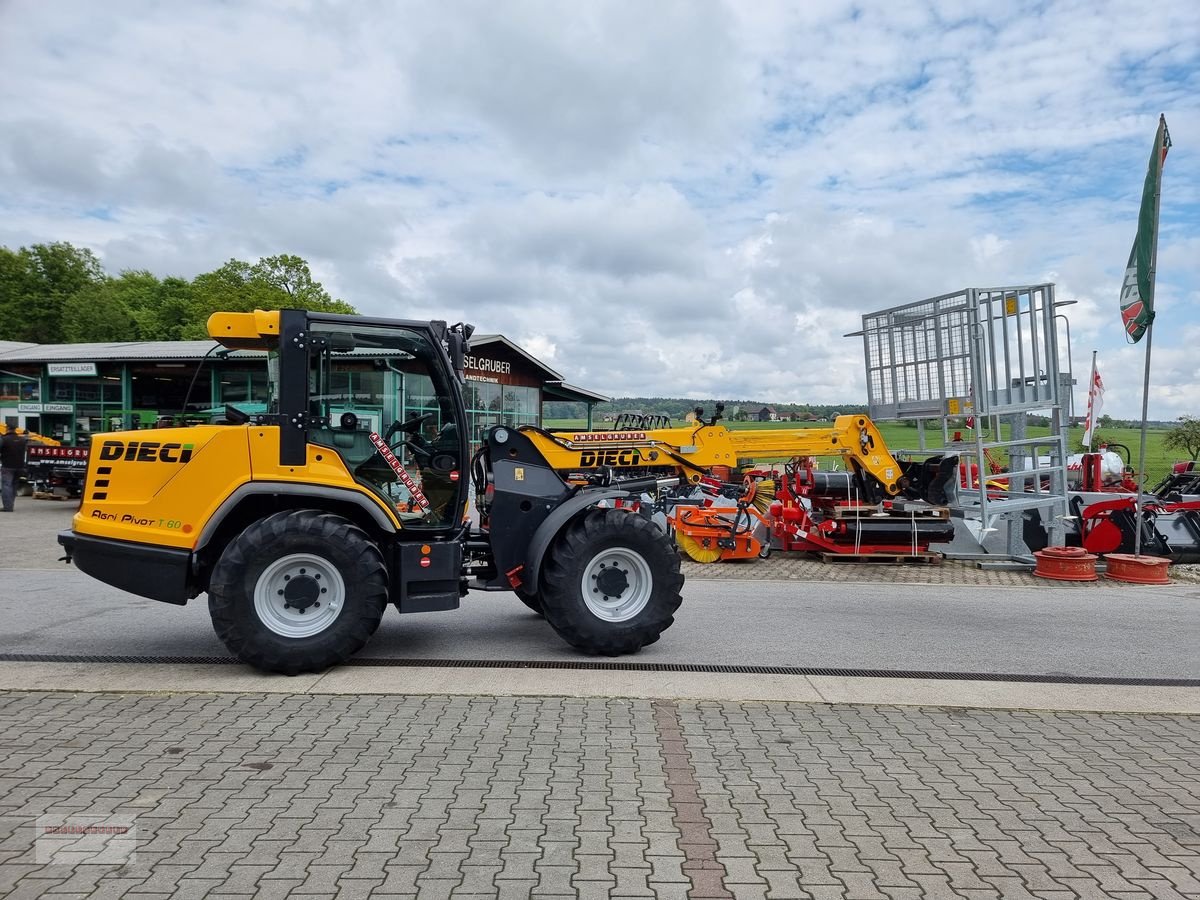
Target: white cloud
<point>674,198</point>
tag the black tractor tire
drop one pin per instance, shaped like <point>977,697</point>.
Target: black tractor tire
<point>632,571</point>
<point>533,601</point>
<point>292,551</point>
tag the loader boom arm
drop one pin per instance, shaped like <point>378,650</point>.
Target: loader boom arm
<point>695,450</point>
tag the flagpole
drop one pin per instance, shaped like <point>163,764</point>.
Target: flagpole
<point>1137,539</point>
<point>1090,423</point>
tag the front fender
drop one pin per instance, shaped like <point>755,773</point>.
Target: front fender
<point>556,521</point>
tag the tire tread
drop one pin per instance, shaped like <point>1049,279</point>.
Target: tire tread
<point>574,549</point>
<point>230,589</point>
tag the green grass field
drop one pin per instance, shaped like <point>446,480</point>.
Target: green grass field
<point>901,436</point>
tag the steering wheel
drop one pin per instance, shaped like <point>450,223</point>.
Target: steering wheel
<point>409,426</point>
<point>419,448</point>
<point>412,424</point>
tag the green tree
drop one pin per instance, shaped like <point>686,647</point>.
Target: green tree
<point>98,312</point>
<point>135,305</point>
<point>162,310</point>
<point>1185,436</point>
<point>290,274</point>
<point>274,282</point>
<point>170,316</point>
<point>35,284</point>
<point>15,284</point>
<point>135,292</point>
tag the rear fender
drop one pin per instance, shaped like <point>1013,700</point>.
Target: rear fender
<point>258,499</point>
<point>306,492</point>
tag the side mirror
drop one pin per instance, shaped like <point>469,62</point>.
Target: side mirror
<point>466,329</point>
<point>458,354</point>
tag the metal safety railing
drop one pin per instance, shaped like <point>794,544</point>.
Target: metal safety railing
<point>978,357</point>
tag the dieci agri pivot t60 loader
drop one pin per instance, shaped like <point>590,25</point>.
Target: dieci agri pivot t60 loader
<point>304,523</point>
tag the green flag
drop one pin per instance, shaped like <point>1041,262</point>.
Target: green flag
<point>1137,291</point>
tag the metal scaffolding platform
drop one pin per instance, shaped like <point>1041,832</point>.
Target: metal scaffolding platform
<point>982,355</point>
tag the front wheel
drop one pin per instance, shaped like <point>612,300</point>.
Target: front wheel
<point>298,591</point>
<point>611,583</point>
<point>533,601</point>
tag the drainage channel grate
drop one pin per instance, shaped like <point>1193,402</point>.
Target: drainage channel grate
<point>601,666</point>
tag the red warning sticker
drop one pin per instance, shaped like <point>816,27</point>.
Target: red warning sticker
<point>398,467</point>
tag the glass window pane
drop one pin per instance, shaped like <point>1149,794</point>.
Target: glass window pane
<point>426,454</point>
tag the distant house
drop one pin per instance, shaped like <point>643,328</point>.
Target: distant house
<point>768,414</point>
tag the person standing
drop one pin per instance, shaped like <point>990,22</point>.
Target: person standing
<point>12,461</point>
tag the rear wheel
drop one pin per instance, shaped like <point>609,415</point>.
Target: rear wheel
<point>611,583</point>
<point>298,592</point>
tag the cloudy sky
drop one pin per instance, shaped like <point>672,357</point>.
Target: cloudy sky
<point>670,198</point>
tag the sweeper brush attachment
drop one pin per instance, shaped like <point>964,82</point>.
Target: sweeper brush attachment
<point>701,549</point>
<point>760,493</point>
<point>723,528</point>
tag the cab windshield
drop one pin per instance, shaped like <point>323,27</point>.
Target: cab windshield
<point>382,399</point>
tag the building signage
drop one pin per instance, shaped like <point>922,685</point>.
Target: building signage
<point>489,365</point>
<point>73,368</point>
<point>45,407</point>
<point>483,378</point>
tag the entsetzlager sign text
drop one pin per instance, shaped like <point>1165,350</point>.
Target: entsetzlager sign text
<point>72,368</point>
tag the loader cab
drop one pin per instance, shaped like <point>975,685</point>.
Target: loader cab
<point>384,396</point>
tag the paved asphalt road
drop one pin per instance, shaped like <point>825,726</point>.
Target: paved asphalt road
<point>1042,628</point>
<point>1118,631</point>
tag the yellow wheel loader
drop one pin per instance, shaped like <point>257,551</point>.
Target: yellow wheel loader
<point>303,523</point>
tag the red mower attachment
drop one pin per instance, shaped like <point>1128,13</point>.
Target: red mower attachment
<point>829,512</point>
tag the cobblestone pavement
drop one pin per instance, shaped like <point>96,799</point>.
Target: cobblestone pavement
<point>252,795</point>
<point>804,567</point>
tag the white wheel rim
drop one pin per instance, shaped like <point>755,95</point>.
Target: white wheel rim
<point>299,595</point>
<point>617,584</point>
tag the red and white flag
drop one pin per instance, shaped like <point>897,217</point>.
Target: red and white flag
<point>1095,405</point>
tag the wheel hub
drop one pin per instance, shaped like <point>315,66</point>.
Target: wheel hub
<point>299,595</point>
<point>611,580</point>
<point>617,584</point>
<point>302,591</point>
